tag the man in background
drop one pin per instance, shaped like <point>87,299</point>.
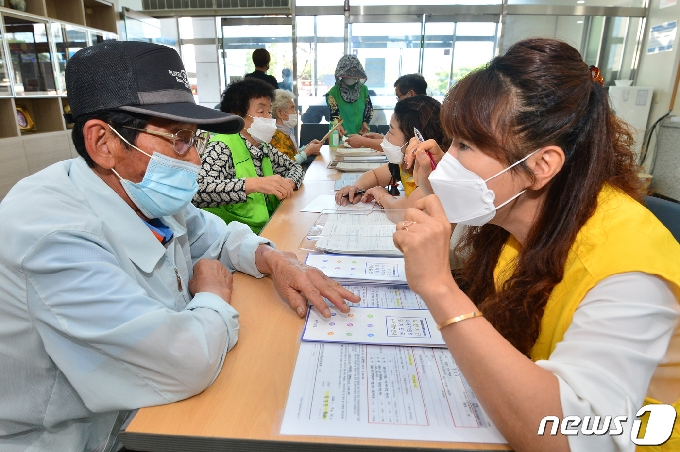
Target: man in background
<point>408,85</point>
<point>261,59</point>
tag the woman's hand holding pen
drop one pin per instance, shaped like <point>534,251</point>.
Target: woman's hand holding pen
<point>416,155</point>
<point>424,237</point>
<point>348,194</point>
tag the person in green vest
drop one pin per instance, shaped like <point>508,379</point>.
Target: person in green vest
<point>242,177</point>
<point>349,99</point>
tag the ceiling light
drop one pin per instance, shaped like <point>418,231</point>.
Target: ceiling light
<point>579,21</point>
<point>581,2</point>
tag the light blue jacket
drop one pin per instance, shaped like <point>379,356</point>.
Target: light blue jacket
<point>93,320</point>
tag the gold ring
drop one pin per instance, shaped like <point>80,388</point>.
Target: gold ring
<point>405,225</point>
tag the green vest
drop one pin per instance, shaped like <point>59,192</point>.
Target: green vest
<point>255,212</point>
<point>351,113</point>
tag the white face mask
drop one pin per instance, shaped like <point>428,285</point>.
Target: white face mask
<point>464,195</point>
<point>291,121</point>
<point>350,81</point>
<point>392,151</point>
<point>262,129</point>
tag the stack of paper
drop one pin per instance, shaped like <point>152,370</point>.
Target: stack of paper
<point>346,179</point>
<point>349,150</point>
<point>387,297</point>
<point>373,217</point>
<point>357,166</point>
<point>365,271</point>
<point>375,391</point>
<point>326,203</point>
<point>375,240</point>
<point>365,158</point>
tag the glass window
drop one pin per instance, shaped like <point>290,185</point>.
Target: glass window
<point>437,57</point>
<point>30,55</point>
<point>609,43</point>
<point>67,40</point>
<point>387,51</point>
<point>452,50</point>
<point>619,3</point>
<point>320,44</point>
<point>5,85</point>
<point>95,37</point>
<point>395,2</point>
<point>566,28</point>
<point>240,41</point>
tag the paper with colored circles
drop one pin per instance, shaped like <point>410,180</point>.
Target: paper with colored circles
<point>375,326</point>
<point>360,270</point>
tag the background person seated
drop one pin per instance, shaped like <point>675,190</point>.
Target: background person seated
<point>406,86</point>
<point>420,112</point>
<point>283,110</point>
<point>242,178</point>
<point>287,82</point>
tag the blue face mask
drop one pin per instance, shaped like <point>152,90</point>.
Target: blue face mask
<point>168,186</point>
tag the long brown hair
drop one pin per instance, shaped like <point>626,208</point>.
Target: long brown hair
<point>539,93</point>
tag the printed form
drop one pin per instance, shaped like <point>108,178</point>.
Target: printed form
<point>391,392</point>
<point>409,327</point>
<point>387,297</point>
<point>358,239</point>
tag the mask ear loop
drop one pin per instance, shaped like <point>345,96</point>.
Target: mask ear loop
<point>516,163</point>
<point>129,144</point>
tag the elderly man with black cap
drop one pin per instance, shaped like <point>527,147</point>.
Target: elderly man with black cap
<point>114,289</point>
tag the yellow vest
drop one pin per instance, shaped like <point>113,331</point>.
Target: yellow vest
<point>622,236</point>
<point>407,181</point>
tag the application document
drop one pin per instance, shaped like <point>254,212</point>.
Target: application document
<point>391,392</point>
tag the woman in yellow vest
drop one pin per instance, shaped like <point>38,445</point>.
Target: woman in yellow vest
<point>419,112</point>
<point>568,301</point>
<point>242,177</point>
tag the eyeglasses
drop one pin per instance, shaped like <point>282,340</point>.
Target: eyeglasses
<point>182,140</point>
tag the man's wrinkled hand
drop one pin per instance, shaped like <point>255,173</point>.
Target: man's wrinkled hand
<point>211,276</point>
<point>299,283</point>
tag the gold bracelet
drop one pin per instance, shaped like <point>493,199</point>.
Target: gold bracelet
<point>379,198</point>
<point>459,318</point>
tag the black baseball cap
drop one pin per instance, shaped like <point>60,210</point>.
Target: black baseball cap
<point>138,77</point>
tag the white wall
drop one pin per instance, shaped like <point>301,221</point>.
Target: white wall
<point>565,28</point>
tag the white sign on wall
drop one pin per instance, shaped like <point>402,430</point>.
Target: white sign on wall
<point>667,3</point>
<point>661,37</point>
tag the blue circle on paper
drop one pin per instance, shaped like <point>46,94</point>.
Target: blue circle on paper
<point>371,335</point>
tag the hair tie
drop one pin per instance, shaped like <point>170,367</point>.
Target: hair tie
<point>595,75</point>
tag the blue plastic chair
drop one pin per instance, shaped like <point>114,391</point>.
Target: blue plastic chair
<point>668,213</point>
